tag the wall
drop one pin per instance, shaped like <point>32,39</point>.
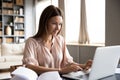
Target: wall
<point>112,22</point>
<point>80,53</point>
<point>74,52</point>
<point>86,53</point>
<point>29,18</point>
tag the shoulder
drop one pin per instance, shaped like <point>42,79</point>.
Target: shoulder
<point>60,40</point>
<point>60,37</point>
<point>31,41</point>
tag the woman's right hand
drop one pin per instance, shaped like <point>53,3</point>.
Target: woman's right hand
<point>70,68</point>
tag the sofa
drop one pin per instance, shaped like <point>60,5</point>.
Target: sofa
<point>11,54</point>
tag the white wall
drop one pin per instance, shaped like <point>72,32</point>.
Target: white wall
<point>29,18</point>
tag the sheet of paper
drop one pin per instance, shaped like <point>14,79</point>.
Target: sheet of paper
<point>22,73</point>
<point>52,75</point>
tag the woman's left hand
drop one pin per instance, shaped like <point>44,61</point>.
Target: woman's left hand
<point>87,65</point>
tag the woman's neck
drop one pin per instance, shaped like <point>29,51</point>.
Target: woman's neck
<point>48,42</point>
<point>47,38</point>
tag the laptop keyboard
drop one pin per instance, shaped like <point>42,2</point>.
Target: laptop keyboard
<point>76,75</point>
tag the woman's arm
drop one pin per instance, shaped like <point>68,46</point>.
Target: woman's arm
<point>40,69</point>
<point>66,69</point>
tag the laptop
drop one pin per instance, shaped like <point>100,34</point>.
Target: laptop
<point>105,62</point>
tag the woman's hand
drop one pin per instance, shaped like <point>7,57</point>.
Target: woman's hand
<point>73,67</point>
<point>70,68</point>
<point>87,65</point>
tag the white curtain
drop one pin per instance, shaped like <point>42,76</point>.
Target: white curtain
<point>83,36</point>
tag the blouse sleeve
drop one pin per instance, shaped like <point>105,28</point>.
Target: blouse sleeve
<point>67,58</point>
<point>30,54</point>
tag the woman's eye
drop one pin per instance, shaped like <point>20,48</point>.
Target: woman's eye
<point>60,24</point>
<point>54,23</point>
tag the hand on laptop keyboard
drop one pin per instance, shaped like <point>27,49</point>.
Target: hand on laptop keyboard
<point>87,71</point>
<point>76,75</point>
<point>87,65</point>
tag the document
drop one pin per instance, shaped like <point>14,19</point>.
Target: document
<point>22,73</point>
<point>52,75</point>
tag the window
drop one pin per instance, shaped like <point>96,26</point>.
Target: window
<point>95,16</point>
<point>72,20</point>
<point>95,11</point>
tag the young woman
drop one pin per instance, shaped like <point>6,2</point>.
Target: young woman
<point>47,51</point>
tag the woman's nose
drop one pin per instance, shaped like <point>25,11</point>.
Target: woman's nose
<point>58,27</point>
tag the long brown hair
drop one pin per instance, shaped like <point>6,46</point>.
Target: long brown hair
<point>47,13</point>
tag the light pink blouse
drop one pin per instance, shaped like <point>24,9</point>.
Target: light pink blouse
<point>36,53</point>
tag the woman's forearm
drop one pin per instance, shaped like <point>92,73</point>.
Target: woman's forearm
<point>69,68</point>
<point>40,69</point>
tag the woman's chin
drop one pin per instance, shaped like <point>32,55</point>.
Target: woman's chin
<point>55,34</point>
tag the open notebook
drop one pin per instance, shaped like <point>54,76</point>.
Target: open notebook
<point>22,73</point>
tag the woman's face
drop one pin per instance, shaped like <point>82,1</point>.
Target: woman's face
<point>54,25</point>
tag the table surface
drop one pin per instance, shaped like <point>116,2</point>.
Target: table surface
<point>112,77</point>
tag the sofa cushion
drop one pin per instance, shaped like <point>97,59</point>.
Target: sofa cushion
<point>2,59</point>
<point>13,58</point>
<point>12,49</point>
<point>0,49</point>
<point>6,65</point>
